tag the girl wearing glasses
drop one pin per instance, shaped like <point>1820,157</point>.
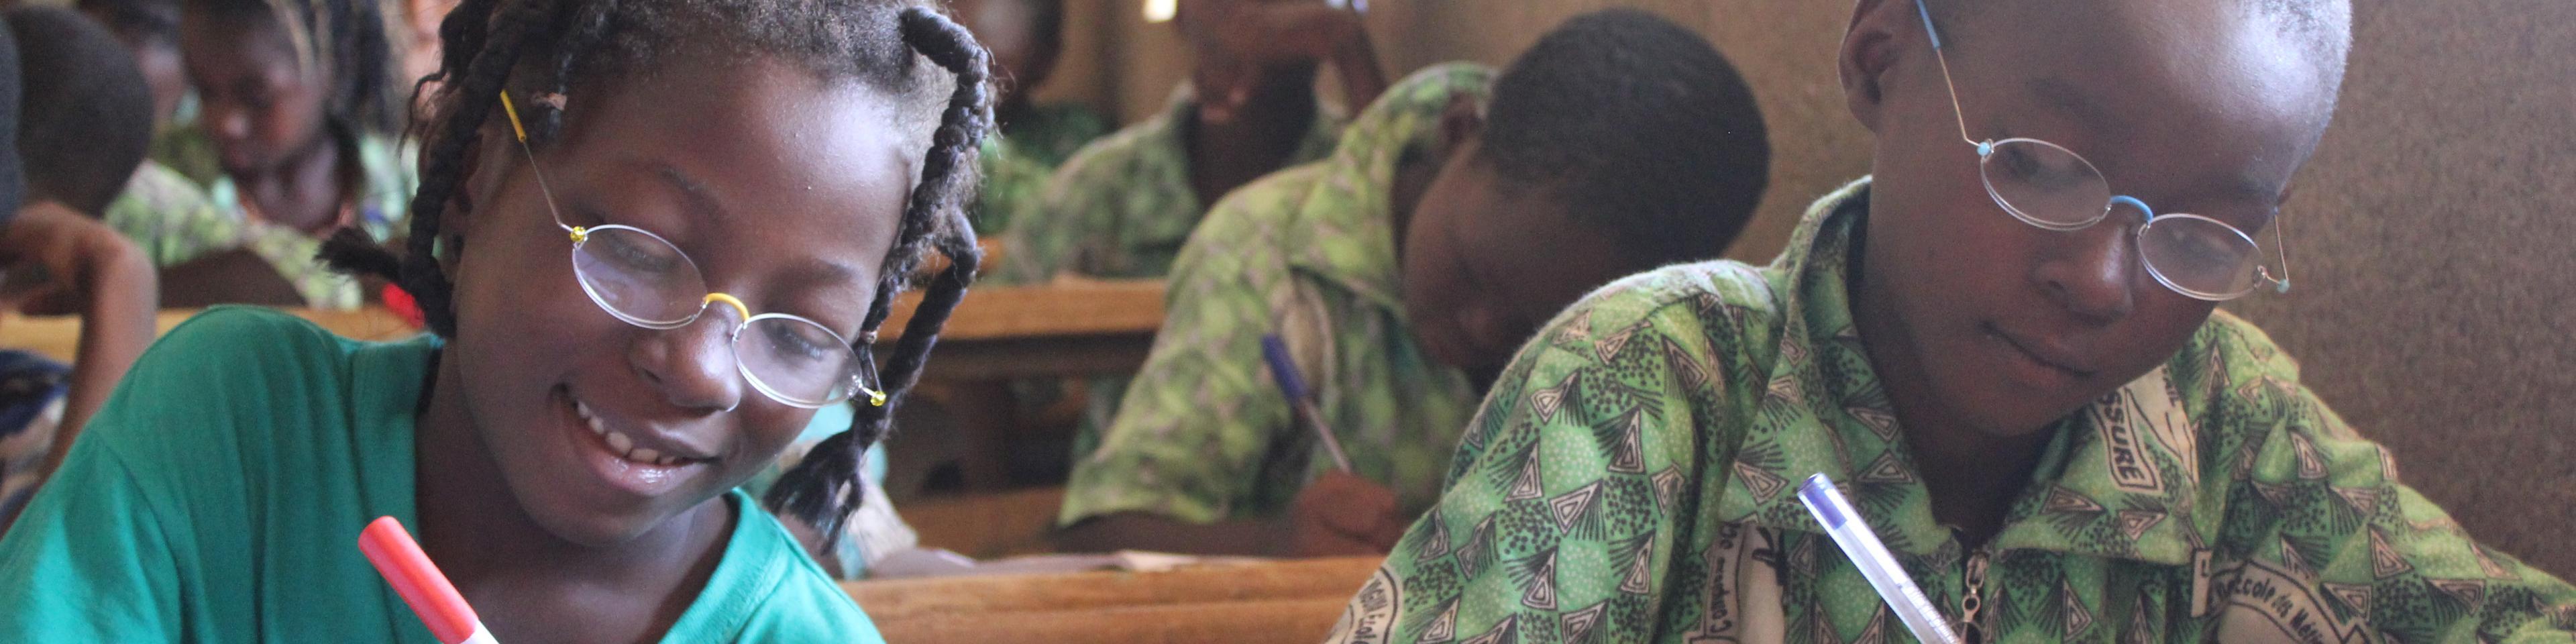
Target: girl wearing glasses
<point>652,237</point>
<point>2004,346</point>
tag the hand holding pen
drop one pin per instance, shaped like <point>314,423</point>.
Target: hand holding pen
<point>1338,513</point>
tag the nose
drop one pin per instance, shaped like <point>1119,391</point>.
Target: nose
<point>693,366</point>
<point>2090,272</point>
<point>228,123</point>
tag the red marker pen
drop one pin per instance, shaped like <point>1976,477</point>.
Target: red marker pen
<point>409,571</point>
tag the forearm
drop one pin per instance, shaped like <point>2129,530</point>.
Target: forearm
<point>1156,533</point>
<point>1354,61</point>
<point>119,302</point>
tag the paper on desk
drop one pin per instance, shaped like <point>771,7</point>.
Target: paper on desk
<point>933,562</point>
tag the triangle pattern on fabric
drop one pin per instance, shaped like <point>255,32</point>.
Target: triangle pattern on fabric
<point>2065,501</point>
<point>1443,628</point>
<point>2470,592</point>
<point>1526,485</point>
<point>1541,593</point>
<point>1640,572</point>
<point>2363,499</point>
<point>2353,596</point>
<point>1577,627</point>
<point>1628,454</point>
<point>1761,483</point>
<point>2135,523</point>
<point>1569,508</point>
<point>1504,632</point>
<point>1879,421</point>
<point>2384,560</point>
<point>1886,470</point>
<point>1667,484</point>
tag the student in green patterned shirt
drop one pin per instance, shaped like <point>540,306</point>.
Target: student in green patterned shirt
<point>2019,378</point>
<point>1401,272</point>
<point>299,99</point>
<point>1121,207</point>
<point>1026,36</point>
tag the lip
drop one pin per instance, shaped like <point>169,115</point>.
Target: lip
<point>674,463</point>
<point>2039,354</point>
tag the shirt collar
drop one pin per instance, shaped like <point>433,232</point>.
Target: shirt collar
<point>2109,483</point>
<point>1345,230</point>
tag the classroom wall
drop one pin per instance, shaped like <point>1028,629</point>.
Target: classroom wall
<point>2431,232</point>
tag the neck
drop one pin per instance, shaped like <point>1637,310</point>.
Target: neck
<point>1258,140</point>
<point>475,528</point>
<point>1971,474</point>
<point>303,193</point>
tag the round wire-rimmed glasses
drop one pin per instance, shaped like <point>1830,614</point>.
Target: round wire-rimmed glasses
<point>644,280</point>
<point>2046,185</point>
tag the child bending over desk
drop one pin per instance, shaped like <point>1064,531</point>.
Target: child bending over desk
<point>1400,273</point>
<point>639,293</point>
<point>83,122</point>
<point>2004,347</point>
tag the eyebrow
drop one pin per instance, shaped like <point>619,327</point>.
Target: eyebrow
<point>694,194</point>
<point>2067,98</point>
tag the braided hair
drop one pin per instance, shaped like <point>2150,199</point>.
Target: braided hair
<point>559,47</point>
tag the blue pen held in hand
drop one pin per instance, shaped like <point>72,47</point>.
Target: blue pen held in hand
<point>1284,372</point>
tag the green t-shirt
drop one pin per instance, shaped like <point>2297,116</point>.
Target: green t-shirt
<point>219,495</point>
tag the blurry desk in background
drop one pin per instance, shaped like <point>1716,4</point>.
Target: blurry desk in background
<point>58,337</point>
<point>1249,603</point>
<point>1062,328</point>
<point>1002,334</point>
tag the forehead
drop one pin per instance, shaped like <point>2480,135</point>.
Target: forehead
<point>752,150</point>
<point>2200,99</point>
<point>251,34</point>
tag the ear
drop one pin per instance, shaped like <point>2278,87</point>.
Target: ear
<point>1869,53</point>
<point>1460,121</point>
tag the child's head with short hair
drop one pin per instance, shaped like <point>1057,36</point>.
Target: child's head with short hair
<point>1618,143</point>
<point>85,113</point>
<point>149,29</point>
<point>278,79</point>
<point>2206,107</point>
<point>798,157</point>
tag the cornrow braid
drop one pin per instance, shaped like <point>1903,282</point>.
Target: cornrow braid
<point>822,490</point>
<point>537,48</point>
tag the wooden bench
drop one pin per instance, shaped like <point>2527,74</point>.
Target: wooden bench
<point>1244,603</point>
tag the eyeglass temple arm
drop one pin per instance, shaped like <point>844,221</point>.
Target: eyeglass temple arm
<point>2280,244</point>
<point>578,233</point>
<point>1937,55</point>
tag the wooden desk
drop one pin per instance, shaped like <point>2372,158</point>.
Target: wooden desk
<point>1064,328</point>
<point>58,337</point>
<point>1284,601</point>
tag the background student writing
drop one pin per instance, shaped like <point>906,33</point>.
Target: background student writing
<point>569,443</point>
<point>1460,212</point>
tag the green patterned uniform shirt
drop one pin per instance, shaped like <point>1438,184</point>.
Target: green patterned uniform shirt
<point>1632,480</point>
<point>1121,207</point>
<point>1018,163</point>
<point>1204,435</point>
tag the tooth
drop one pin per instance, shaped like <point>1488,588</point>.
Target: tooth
<point>581,409</point>
<point>595,426</point>
<point>644,454</point>
<point>619,442</point>
<point>667,461</point>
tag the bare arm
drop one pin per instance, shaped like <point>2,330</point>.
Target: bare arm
<point>109,282</point>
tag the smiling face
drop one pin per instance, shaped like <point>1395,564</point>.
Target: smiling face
<point>783,188</point>
<point>2193,106</point>
<point>258,104</point>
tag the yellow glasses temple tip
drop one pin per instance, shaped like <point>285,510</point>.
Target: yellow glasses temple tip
<point>513,111</point>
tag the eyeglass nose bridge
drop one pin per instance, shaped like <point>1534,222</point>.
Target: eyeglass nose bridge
<point>729,300</point>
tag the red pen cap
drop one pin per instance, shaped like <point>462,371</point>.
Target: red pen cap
<point>409,571</point>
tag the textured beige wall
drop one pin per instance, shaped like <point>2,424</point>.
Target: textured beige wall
<point>2432,232</point>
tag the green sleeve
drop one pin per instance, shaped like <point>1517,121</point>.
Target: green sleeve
<point>89,561</point>
<point>1043,240</point>
<point>1573,494</point>
<point>1202,416</point>
<point>170,217</point>
<point>2338,515</point>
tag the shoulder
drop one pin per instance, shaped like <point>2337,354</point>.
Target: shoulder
<point>240,340</point>
<point>1256,213</point>
<point>1137,146</point>
<point>789,598</point>
<point>1719,300</point>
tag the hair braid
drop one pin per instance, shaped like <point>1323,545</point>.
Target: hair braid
<point>485,72</point>
<point>822,489</point>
